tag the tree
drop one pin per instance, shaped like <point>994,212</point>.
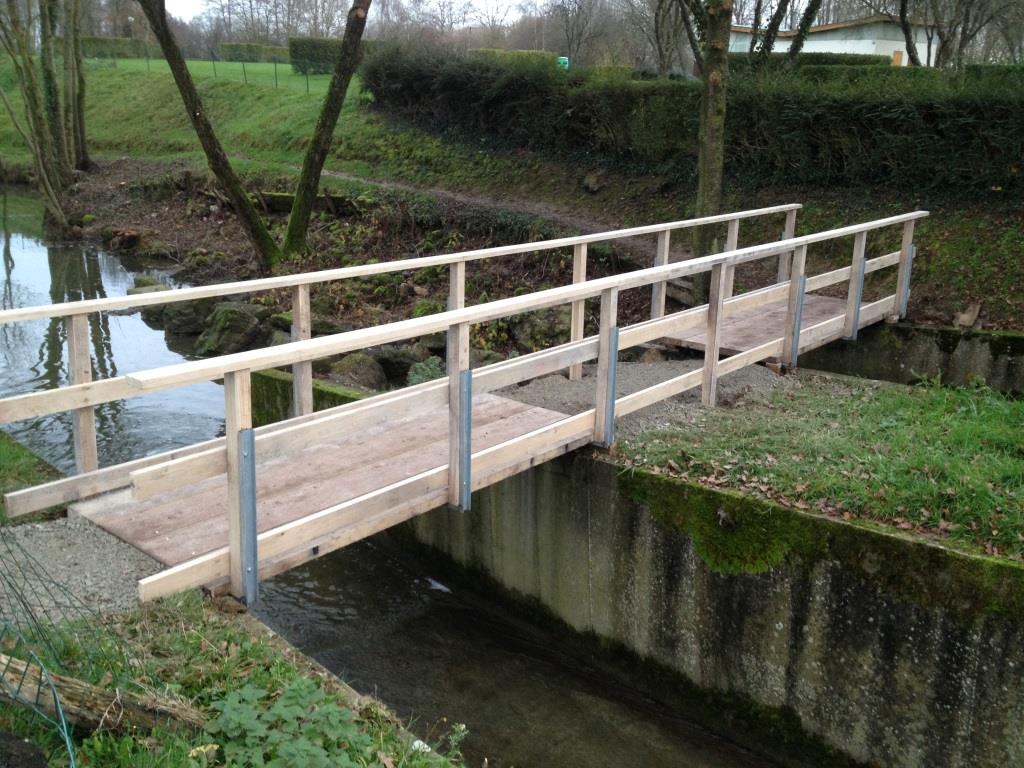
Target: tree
<point>661,24</point>
<point>806,21</point>
<point>578,19</point>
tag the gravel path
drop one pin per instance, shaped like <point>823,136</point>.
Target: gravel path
<point>559,394</point>
<point>43,562</point>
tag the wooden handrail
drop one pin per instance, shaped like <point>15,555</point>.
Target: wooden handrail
<point>118,303</point>
<point>77,396</point>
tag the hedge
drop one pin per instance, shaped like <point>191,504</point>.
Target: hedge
<point>313,55</point>
<point>113,48</point>
<point>742,61</point>
<point>253,52</point>
<point>899,127</point>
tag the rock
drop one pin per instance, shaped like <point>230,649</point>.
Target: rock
<point>537,330</point>
<point>359,370</point>
<point>594,181</point>
<point>481,357</point>
<point>234,326</point>
<point>396,360</point>
<point>187,317</point>
<point>279,337</point>
<point>141,280</point>
<point>434,344</point>
<point>969,317</point>
<point>652,356</point>
<point>320,326</point>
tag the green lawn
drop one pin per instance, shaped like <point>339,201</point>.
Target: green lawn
<point>928,459</point>
<point>20,468</point>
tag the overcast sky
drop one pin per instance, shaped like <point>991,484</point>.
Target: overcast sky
<point>184,9</point>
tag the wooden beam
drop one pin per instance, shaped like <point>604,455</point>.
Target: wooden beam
<point>83,422</point>
<point>856,289</point>
<point>903,274</point>
<point>302,373</point>
<point>732,241</point>
<point>606,348</point>
<point>716,296</point>
<point>788,231</point>
<point>794,307</point>
<point>364,270</point>
<point>578,316</point>
<point>237,416</point>
<point>458,362</point>
<point>658,289</point>
<point>674,386</point>
<point>457,285</point>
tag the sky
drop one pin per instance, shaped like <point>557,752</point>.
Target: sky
<point>184,9</point>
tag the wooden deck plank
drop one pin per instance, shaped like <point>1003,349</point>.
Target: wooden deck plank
<point>183,524</point>
<point>746,330</point>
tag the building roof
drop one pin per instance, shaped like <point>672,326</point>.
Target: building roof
<point>827,27</point>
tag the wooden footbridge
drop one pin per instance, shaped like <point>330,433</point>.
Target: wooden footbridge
<point>227,512</point>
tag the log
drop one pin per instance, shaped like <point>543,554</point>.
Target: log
<point>91,707</point>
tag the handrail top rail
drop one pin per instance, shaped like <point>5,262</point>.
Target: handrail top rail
<point>311,349</point>
<point>137,301</point>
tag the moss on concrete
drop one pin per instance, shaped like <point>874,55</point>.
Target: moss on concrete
<point>736,534</point>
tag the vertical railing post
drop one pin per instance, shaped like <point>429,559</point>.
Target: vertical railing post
<point>577,318</point>
<point>712,341</point>
<point>607,369</point>
<point>904,270</point>
<point>856,289</point>
<point>460,405</point>
<point>785,259</point>
<point>237,418</point>
<point>247,505</point>
<point>732,241</point>
<point>302,373</point>
<point>795,307</point>
<point>658,289</point>
<point>457,285</point>
<point>83,423</point>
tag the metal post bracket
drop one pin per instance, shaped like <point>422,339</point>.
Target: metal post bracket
<point>247,481</point>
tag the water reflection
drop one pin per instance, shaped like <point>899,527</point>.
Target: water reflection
<point>34,353</point>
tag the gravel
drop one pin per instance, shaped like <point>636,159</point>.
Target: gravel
<point>67,567</point>
<point>557,393</point>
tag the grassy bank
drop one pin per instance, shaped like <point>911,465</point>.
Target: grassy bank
<point>926,459</point>
<point>20,468</point>
<point>264,703</point>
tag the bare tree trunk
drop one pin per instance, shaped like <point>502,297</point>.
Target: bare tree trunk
<point>711,159</point>
<point>689,24</point>
<point>51,89</point>
<point>764,50</point>
<point>755,27</point>
<point>267,251</point>
<point>320,144</point>
<point>908,34</point>
<point>74,73</point>
<point>806,20</point>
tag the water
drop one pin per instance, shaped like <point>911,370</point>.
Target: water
<point>33,354</point>
<point>428,651</point>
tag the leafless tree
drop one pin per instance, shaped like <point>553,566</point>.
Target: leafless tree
<point>660,22</point>
<point>578,20</point>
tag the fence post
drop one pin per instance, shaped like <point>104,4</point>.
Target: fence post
<point>460,405</point>
<point>732,240</point>
<point>785,259</point>
<point>607,369</point>
<point>247,493</point>
<point>856,290</point>
<point>237,417</point>
<point>302,373</point>
<point>577,318</point>
<point>716,295</point>
<point>903,273</point>
<point>83,422</point>
<point>457,285</point>
<point>795,307</point>
<point>659,288</point>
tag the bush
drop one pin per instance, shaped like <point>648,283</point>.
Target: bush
<point>253,52</point>
<point>313,55</point>
<point>496,53</point>
<point>113,48</point>
<point>740,62</point>
<point>821,123</point>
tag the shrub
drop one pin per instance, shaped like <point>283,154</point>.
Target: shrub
<point>820,123</point>
<point>313,55</point>
<point>545,57</point>
<point>740,62</point>
<point>425,370</point>
<point>252,52</point>
<point>113,48</point>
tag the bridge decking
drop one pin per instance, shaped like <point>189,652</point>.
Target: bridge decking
<point>188,522</point>
<point>751,328</point>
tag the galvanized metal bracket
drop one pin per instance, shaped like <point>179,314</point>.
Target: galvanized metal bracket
<point>247,481</point>
<point>905,295</point>
<point>798,321</point>
<point>613,372</point>
<point>859,295</point>
<point>466,441</point>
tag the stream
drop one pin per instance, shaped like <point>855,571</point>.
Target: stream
<point>433,653</point>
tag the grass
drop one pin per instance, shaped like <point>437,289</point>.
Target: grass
<point>264,701</point>
<point>927,459</point>
<point>20,468</point>
<point>248,73</point>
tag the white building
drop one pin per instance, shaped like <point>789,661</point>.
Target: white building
<point>875,35</point>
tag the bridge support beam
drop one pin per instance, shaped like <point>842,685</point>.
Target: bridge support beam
<point>83,423</point>
<point>607,368</point>
<point>795,308</point>
<point>302,373</point>
<point>732,241</point>
<point>856,291</point>
<point>578,315</point>
<point>460,395</point>
<point>712,342</point>
<point>907,253</point>
<point>785,259</point>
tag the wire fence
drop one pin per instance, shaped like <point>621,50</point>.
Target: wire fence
<point>272,74</point>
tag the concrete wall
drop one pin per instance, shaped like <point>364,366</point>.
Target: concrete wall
<point>894,653</point>
<point>906,353</point>
<point>878,38</point>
